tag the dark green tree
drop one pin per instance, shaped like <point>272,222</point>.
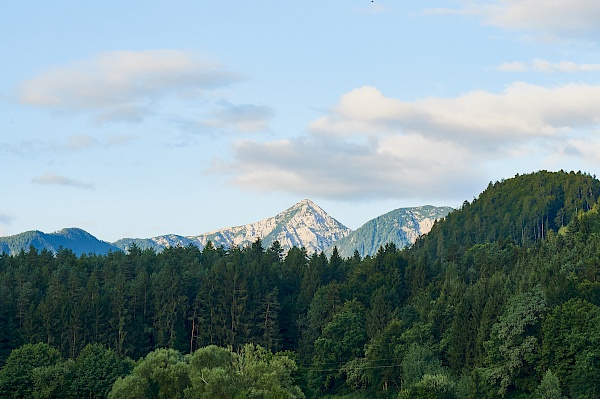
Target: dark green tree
<point>16,376</point>
<point>514,347</point>
<point>342,340</point>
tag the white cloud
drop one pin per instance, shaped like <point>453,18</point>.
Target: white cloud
<point>124,85</point>
<point>478,118</point>
<point>539,65</point>
<point>514,66</point>
<point>80,142</point>
<point>557,17</point>
<point>5,218</point>
<point>373,8</point>
<point>373,146</point>
<point>121,139</point>
<point>58,180</point>
<point>342,170</point>
<point>244,118</point>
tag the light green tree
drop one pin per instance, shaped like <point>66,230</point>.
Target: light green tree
<point>163,374</point>
<point>210,372</point>
<point>549,387</point>
<point>430,386</point>
<point>419,361</point>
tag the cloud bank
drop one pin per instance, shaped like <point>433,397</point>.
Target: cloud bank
<point>58,180</point>
<point>5,219</point>
<point>124,85</point>
<point>242,118</point>
<point>539,65</point>
<point>558,18</point>
<point>373,146</point>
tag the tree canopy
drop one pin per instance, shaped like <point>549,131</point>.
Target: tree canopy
<point>500,300</point>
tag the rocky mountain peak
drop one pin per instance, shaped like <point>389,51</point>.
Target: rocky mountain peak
<point>304,224</point>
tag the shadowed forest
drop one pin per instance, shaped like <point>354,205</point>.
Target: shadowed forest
<point>500,300</point>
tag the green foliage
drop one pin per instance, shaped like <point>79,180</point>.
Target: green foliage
<point>342,340</point>
<point>571,342</point>
<point>210,372</point>
<point>499,292</point>
<point>383,357</point>
<point>386,229</point>
<point>419,361</point>
<point>586,375</point>
<point>522,209</point>
<point>56,381</point>
<point>513,348</point>
<point>91,375</point>
<point>430,386</point>
<point>549,387</point>
<point>163,374</point>
<point>16,377</point>
<point>95,371</point>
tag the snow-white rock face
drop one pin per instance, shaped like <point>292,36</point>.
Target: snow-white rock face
<point>171,240</point>
<point>419,220</point>
<point>303,225</point>
<point>307,225</point>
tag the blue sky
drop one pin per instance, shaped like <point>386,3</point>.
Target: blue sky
<point>141,118</point>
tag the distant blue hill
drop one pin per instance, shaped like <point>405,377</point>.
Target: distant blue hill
<point>77,240</point>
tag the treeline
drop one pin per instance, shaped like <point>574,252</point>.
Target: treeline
<point>181,298</point>
<point>500,299</point>
<point>39,371</point>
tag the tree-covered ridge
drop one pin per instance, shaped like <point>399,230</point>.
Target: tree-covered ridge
<point>522,209</point>
<point>467,312</point>
<point>77,240</point>
<point>401,226</point>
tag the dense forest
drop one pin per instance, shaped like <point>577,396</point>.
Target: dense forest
<point>500,300</point>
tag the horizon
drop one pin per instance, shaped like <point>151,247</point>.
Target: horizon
<point>136,119</point>
<point>60,230</point>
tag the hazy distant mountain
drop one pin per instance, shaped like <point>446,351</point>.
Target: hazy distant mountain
<point>303,225</point>
<point>401,226</point>
<point>156,243</point>
<point>77,240</point>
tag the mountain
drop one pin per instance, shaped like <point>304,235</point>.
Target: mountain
<point>400,226</point>
<point>524,209</point>
<point>303,225</point>
<point>155,243</point>
<point>77,240</point>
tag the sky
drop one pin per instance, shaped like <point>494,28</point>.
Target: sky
<point>142,118</point>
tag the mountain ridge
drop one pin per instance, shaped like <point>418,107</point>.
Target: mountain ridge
<point>400,226</point>
<point>75,239</point>
<point>304,224</point>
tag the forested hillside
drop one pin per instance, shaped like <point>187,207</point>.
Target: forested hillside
<point>77,240</point>
<point>401,226</point>
<point>500,299</point>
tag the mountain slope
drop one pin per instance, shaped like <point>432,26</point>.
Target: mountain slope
<point>303,225</point>
<point>77,240</point>
<point>155,243</point>
<point>522,209</point>
<point>400,226</point>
